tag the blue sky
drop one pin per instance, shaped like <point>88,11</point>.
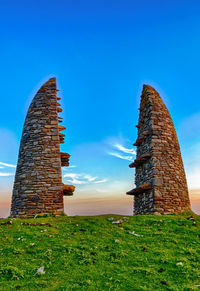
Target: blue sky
<point>101,53</point>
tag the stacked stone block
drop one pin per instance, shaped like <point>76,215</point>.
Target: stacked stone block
<point>161,185</point>
<point>38,186</point>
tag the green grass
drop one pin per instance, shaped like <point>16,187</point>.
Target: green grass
<point>92,253</point>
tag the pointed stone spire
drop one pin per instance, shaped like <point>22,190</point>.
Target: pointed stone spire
<point>38,186</point>
<point>161,185</point>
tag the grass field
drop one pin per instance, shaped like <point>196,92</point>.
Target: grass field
<point>108,252</point>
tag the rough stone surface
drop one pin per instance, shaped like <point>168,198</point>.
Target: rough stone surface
<point>158,162</point>
<point>38,186</point>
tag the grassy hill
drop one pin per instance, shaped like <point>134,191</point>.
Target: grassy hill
<point>108,252</point>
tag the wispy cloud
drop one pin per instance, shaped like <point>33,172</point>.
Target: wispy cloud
<point>129,158</point>
<point>68,168</point>
<point>7,165</point>
<point>125,150</point>
<point>101,181</point>
<point>81,179</point>
<point>6,174</point>
<point>74,178</point>
<point>90,178</point>
<point>119,150</point>
<point>71,175</point>
<point>3,166</point>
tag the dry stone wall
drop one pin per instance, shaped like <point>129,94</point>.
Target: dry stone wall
<point>161,185</point>
<point>38,186</point>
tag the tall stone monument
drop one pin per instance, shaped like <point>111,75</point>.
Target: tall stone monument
<point>161,185</point>
<point>38,186</point>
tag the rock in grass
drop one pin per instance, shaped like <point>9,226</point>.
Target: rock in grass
<point>144,249</point>
<point>7,222</point>
<point>117,222</point>
<point>41,271</point>
<point>82,229</point>
<point>135,234</point>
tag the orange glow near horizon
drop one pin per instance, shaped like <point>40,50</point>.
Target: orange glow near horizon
<point>110,204</point>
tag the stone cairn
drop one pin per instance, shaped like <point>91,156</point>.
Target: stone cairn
<point>161,185</point>
<point>38,187</point>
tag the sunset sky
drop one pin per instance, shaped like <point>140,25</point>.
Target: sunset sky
<point>101,53</point>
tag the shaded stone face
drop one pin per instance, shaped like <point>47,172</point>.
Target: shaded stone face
<point>161,185</point>
<point>38,186</point>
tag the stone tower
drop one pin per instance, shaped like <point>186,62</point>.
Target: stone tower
<point>38,186</point>
<point>161,185</point>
